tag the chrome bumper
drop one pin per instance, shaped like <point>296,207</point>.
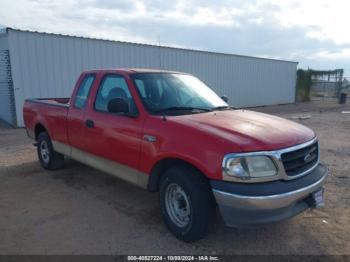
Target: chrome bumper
<point>237,209</point>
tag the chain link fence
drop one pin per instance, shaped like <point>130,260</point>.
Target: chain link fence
<point>328,85</point>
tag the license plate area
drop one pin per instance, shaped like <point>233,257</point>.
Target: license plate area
<point>317,198</point>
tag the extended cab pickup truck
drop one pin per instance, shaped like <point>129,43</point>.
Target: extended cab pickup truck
<point>169,133</point>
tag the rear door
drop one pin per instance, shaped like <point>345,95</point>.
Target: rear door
<point>113,136</point>
<point>77,110</point>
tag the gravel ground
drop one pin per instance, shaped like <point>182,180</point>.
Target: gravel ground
<point>79,210</point>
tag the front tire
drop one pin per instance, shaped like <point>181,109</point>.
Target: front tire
<point>187,203</point>
<point>48,157</point>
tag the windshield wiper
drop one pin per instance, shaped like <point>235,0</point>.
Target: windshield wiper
<point>182,108</point>
<point>222,108</point>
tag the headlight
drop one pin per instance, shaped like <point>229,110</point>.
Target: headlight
<point>250,167</point>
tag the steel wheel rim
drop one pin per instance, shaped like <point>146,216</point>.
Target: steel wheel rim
<point>44,152</point>
<point>177,205</point>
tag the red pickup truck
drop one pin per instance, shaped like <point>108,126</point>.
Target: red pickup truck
<point>169,133</point>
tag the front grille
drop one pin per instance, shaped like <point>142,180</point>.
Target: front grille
<point>301,160</point>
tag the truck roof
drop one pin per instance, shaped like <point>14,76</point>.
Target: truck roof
<point>134,70</point>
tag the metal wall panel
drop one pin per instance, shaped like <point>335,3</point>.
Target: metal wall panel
<point>3,41</point>
<point>47,65</point>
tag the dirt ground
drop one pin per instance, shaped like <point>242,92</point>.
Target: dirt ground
<point>79,210</point>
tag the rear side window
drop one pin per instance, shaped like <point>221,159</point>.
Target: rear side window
<point>83,91</point>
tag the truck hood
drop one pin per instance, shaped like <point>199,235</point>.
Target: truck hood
<point>249,130</point>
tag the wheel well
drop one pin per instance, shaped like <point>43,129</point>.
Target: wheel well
<point>39,128</point>
<point>160,167</point>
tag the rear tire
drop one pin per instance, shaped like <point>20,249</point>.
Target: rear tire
<point>48,157</point>
<point>187,203</point>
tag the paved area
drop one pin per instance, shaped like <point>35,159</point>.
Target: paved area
<point>79,210</point>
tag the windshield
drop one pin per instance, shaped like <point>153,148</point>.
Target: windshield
<point>175,93</point>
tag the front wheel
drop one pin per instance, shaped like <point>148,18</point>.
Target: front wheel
<point>48,157</point>
<point>187,203</point>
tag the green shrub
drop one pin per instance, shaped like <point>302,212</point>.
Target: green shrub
<point>303,85</point>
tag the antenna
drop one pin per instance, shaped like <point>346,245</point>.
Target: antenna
<point>159,53</point>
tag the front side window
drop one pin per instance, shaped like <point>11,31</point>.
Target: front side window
<point>166,92</point>
<point>113,86</point>
<point>83,91</point>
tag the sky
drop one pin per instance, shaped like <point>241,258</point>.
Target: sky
<point>314,33</point>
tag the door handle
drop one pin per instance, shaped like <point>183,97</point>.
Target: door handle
<point>89,123</point>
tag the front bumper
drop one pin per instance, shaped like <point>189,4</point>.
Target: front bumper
<point>250,204</point>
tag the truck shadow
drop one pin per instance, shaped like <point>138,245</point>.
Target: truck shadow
<point>143,208</point>
<point>123,197</point>
<point>291,236</point>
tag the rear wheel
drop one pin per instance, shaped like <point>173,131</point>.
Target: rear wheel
<point>187,203</point>
<point>48,157</point>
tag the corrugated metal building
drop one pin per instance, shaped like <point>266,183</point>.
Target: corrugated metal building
<point>36,64</point>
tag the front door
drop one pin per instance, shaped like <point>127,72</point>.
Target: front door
<point>113,136</point>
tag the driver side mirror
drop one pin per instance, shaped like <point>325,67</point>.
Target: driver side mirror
<point>225,98</point>
<point>118,105</point>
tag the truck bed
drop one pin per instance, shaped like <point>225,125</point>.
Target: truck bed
<point>48,112</point>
